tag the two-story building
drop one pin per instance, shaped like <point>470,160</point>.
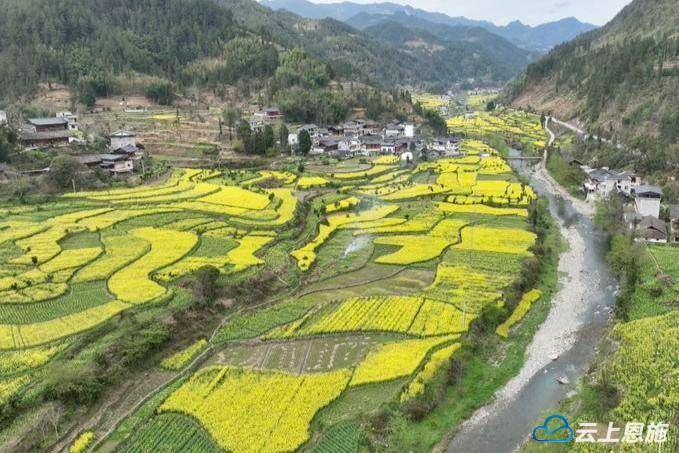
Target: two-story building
<point>45,132</point>
<point>325,146</point>
<point>647,201</point>
<point>121,139</point>
<point>71,119</point>
<point>371,145</point>
<point>393,146</point>
<point>116,164</point>
<point>125,143</point>
<point>602,182</point>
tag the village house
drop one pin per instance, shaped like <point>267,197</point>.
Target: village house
<point>394,130</point>
<point>647,201</point>
<point>325,146</point>
<point>89,160</point>
<point>3,117</point>
<point>125,143</point>
<point>371,145</point>
<point>357,128</point>
<point>311,129</point>
<point>674,223</point>
<point>448,146</point>
<point>116,164</point>
<point>602,182</point>
<point>45,132</point>
<point>71,119</point>
<point>268,114</point>
<point>651,229</point>
<point>121,139</point>
<point>392,146</point>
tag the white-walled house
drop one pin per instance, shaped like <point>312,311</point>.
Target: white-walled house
<point>647,201</point>
<point>116,164</point>
<point>602,182</point>
<point>3,117</point>
<point>71,118</point>
<point>121,139</point>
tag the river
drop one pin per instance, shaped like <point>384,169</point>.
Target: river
<point>565,343</point>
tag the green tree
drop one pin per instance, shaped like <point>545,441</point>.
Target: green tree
<point>205,285</point>
<point>283,133</point>
<point>63,170</point>
<point>304,140</point>
<point>231,117</point>
<point>268,138</point>
<point>8,142</point>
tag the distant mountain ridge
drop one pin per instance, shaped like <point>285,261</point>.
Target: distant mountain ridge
<point>539,38</point>
<point>352,53</point>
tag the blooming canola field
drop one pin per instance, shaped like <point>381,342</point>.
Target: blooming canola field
<point>385,269</point>
<point>394,272</point>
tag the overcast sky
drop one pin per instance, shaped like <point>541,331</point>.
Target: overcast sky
<point>531,12</point>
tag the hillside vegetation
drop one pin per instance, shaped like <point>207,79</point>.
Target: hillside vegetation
<point>621,80</point>
<point>183,43</point>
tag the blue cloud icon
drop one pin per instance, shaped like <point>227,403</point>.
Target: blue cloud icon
<point>554,429</point>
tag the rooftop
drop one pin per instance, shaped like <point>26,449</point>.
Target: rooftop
<point>113,157</point>
<point>122,134</point>
<point>649,190</point>
<point>48,121</point>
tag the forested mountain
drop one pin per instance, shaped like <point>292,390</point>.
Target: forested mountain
<point>351,53</point>
<point>539,38</point>
<point>87,41</point>
<point>462,51</point>
<point>87,44</point>
<point>622,79</point>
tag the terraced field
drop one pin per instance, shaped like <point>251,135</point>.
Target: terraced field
<point>521,128</point>
<point>391,276</point>
<point>69,267</point>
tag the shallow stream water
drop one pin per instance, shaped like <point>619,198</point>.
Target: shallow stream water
<point>565,344</point>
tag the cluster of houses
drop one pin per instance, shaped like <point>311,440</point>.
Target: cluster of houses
<point>360,138</point>
<point>124,155</point>
<point>366,139</point>
<point>642,213</point>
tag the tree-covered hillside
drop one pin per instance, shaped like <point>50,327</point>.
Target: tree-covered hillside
<point>466,52</point>
<point>79,41</point>
<point>622,80</point>
<point>87,44</point>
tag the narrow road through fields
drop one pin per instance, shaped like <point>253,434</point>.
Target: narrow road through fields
<point>565,343</point>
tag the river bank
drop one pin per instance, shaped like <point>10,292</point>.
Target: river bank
<point>565,343</point>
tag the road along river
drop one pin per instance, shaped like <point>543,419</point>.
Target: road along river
<point>565,343</point>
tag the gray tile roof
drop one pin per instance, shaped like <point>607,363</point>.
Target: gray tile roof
<point>48,121</point>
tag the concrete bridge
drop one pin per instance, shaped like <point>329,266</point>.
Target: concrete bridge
<point>524,158</point>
